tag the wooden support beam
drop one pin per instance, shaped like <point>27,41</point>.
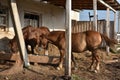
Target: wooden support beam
<point>105,4</point>
<point>95,14</point>
<point>107,21</point>
<point>68,39</point>
<point>115,18</point>
<point>118,21</point>
<point>18,30</point>
<point>108,27</point>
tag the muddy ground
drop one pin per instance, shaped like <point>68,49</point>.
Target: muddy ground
<point>109,67</point>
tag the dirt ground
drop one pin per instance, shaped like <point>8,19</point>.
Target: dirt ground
<point>109,67</point>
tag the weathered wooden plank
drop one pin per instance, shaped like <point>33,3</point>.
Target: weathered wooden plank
<point>32,58</point>
<point>18,30</point>
<point>8,56</point>
<point>43,59</point>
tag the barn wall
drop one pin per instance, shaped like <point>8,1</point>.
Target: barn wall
<point>52,16</point>
<point>75,15</point>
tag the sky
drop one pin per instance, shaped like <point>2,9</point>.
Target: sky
<point>84,15</point>
<point>118,1</point>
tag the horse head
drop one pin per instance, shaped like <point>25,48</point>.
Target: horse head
<point>44,41</point>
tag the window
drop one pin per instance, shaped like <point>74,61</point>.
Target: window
<point>3,17</point>
<point>32,19</point>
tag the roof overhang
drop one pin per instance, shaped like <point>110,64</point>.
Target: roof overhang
<point>85,4</point>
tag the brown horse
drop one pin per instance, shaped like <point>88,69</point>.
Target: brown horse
<point>88,40</point>
<point>31,36</point>
<point>13,42</point>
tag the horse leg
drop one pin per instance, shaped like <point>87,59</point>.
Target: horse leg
<point>93,61</point>
<point>95,57</point>
<point>26,45</point>
<point>62,52</point>
<point>97,67</point>
<point>73,60</point>
<point>46,50</point>
<point>36,48</point>
<point>32,49</point>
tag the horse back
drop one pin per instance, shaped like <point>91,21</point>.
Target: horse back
<point>78,42</point>
<point>93,39</point>
<point>55,36</point>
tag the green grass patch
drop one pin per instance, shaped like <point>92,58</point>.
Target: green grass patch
<point>76,77</point>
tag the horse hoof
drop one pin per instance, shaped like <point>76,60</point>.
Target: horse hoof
<point>95,71</point>
<point>46,53</point>
<point>58,68</point>
<point>91,70</point>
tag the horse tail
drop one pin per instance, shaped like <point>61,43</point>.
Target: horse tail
<point>108,41</point>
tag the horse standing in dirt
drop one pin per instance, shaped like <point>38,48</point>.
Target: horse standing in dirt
<point>88,40</point>
<point>31,36</point>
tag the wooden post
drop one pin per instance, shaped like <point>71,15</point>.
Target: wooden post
<point>68,39</point>
<point>114,25</point>
<point>118,21</point>
<point>18,31</point>
<point>107,23</point>
<point>107,27</point>
<point>95,14</point>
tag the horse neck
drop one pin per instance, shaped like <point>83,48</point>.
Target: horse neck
<point>51,38</point>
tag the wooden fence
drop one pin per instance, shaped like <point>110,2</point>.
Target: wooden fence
<point>80,26</point>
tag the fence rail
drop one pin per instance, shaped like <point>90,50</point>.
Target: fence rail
<point>80,26</point>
